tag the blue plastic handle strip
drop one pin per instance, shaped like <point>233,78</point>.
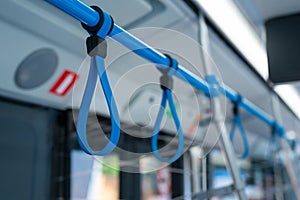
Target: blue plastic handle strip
<point>237,122</point>
<point>167,95</point>
<point>85,14</point>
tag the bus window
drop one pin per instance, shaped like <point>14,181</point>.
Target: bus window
<point>93,178</point>
<point>156,185</point>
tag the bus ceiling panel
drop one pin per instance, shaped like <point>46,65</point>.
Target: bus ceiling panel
<point>31,66</point>
<point>227,62</point>
<point>66,32</point>
<point>291,124</point>
<point>245,81</point>
<point>140,13</point>
<point>164,13</point>
<point>274,8</point>
<point>185,49</point>
<point>124,12</point>
<point>264,101</point>
<point>57,27</point>
<point>256,127</point>
<point>258,11</point>
<point>135,9</point>
<point>297,85</point>
<point>296,128</point>
<point>187,26</point>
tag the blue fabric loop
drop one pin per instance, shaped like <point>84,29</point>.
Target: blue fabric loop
<point>167,95</point>
<point>98,68</point>
<point>238,122</point>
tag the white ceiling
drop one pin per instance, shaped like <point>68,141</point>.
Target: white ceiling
<point>263,10</point>
<point>276,8</point>
<point>260,11</point>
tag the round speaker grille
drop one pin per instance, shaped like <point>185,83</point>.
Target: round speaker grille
<point>36,68</point>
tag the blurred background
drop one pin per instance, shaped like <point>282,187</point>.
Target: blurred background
<point>253,47</point>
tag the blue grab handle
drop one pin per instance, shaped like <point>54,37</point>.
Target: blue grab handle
<point>98,68</point>
<point>89,16</point>
<point>167,95</point>
<point>238,122</point>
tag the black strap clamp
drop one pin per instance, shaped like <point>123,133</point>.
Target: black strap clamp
<point>95,44</point>
<point>166,80</point>
<point>274,130</point>
<point>236,103</point>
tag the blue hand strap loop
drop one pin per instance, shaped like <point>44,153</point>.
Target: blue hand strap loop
<point>167,84</point>
<point>237,122</point>
<point>167,95</point>
<point>97,68</point>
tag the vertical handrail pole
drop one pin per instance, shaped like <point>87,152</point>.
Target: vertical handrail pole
<point>218,117</point>
<point>285,149</point>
